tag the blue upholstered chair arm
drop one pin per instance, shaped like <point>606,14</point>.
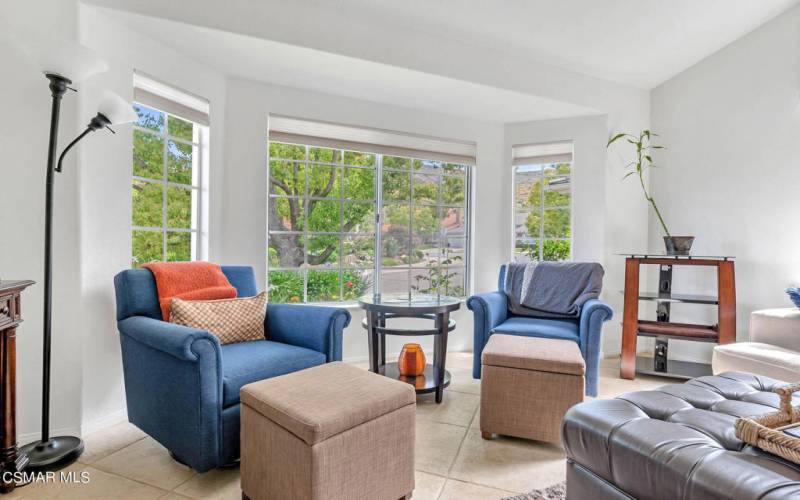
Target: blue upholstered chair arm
<point>490,309</point>
<point>173,386</point>
<point>314,327</point>
<point>172,339</point>
<point>593,314</point>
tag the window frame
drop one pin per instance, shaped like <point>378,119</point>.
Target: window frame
<point>541,238</point>
<point>377,204</point>
<point>199,160</point>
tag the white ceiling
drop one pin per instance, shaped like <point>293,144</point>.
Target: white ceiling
<point>506,61</point>
<point>636,42</point>
<point>300,67</point>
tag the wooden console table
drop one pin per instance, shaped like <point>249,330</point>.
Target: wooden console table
<point>662,329</point>
<point>10,318</point>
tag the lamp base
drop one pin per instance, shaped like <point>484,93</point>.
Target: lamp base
<point>54,454</point>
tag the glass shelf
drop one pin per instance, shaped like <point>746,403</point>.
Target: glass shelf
<point>684,298</point>
<point>658,255</point>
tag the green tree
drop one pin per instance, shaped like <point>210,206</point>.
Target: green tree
<point>556,221</point>
<point>312,193</point>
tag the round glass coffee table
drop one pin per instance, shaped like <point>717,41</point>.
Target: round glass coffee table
<point>432,307</point>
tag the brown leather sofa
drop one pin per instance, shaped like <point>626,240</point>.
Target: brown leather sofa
<point>677,442</point>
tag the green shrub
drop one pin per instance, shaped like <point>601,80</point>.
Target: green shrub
<point>323,286</point>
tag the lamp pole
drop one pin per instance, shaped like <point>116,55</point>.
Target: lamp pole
<point>51,453</point>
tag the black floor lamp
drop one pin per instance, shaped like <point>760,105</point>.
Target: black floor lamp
<point>62,65</point>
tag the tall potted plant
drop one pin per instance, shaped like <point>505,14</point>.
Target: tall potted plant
<point>644,144</point>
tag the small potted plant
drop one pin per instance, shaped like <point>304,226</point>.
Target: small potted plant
<point>644,144</point>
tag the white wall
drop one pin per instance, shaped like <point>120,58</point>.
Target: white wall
<point>92,215</point>
<point>93,196</point>
<point>245,218</point>
<point>608,216</point>
<point>25,100</point>
<point>105,180</point>
<point>730,174</point>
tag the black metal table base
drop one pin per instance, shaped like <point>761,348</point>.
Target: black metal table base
<point>435,378</point>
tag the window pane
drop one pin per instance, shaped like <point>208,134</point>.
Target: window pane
<point>426,188</point>
<point>359,251</point>
<point>323,251</point>
<point>394,235</point>
<point>359,159</point>
<point>394,280</point>
<point>558,186</point>
<point>325,155</point>
<point>324,216</point>
<point>359,183</point>
<point>149,118</point>
<point>179,247</point>
<point>425,222</point>
<point>445,280</point>
<point>556,250</point>
<point>359,218</point>
<point>357,282</point>
<point>454,252</point>
<point>147,200</point>
<point>147,247</point>
<point>285,286</point>
<point>179,162</point>
<point>455,169</point>
<point>286,214</point>
<point>179,208</point>
<point>453,222</point>
<point>324,182</point>
<point>556,223</point>
<point>453,190</point>
<point>527,187</point>
<point>287,151</point>
<point>179,128</point>
<point>526,249</point>
<point>287,178</point>
<point>396,186</point>
<point>286,250</point>
<point>396,162</point>
<point>428,166</point>
<point>323,286</point>
<point>148,155</point>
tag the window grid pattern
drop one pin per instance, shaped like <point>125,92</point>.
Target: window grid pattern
<point>374,241</point>
<point>165,198</point>
<point>542,212</point>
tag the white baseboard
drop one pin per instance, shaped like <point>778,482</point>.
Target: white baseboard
<point>97,424</point>
<point>105,421</point>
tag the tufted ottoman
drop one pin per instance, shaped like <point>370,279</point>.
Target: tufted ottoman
<point>677,442</point>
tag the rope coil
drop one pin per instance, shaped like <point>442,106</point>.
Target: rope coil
<point>765,431</point>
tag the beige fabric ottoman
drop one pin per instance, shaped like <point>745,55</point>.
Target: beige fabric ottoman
<point>329,432</point>
<point>528,384</point>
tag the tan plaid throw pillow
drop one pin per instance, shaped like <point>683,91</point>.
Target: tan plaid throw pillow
<point>232,320</point>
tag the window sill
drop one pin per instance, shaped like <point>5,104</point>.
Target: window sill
<point>342,305</point>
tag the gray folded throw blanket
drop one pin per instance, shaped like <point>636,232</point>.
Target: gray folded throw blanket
<point>552,289</point>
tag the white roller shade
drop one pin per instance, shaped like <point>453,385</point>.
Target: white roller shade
<point>534,154</point>
<point>371,140</point>
<point>161,96</point>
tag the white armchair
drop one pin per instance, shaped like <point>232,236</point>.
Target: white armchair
<point>773,350</point>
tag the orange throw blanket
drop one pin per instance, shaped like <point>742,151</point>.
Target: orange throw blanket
<point>196,280</point>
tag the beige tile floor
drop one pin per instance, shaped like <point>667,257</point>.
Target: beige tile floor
<point>452,460</point>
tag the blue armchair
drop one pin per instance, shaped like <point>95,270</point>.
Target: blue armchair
<point>492,316</point>
<point>182,386</point>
